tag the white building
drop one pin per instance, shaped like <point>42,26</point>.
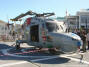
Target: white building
<point>80,20</point>
<point>83,18</point>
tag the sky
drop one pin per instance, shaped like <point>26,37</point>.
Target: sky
<point>12,8</point>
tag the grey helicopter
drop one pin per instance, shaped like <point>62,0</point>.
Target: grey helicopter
<point>42,32</point>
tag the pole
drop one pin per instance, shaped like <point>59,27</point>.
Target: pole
<point>86,26</point>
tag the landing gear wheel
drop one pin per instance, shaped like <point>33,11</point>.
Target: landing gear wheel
<point>17,45</point>
<point>40,48</point>
<point>52,51</point>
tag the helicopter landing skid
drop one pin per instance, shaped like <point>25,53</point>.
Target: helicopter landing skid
<point>18,42</point>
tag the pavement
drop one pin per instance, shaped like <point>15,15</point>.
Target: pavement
<point>29,57</point>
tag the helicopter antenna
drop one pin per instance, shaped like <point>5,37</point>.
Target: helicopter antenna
<point>32,13</point>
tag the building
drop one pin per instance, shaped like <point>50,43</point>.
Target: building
<point>6,30</point>
<point>80,20</point>
<point>83,18</point>
<point>3,27</point>
<point>72,22</point>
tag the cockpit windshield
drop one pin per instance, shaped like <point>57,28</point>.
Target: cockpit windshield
<point>52,27</point>
<point>55,27</point>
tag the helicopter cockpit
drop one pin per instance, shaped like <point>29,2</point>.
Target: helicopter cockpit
<point>51,27</point>
<point>55,27</point>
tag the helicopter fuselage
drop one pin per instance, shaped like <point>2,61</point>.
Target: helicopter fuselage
<point>47,33</point>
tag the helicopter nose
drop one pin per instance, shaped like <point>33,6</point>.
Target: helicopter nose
<point>77,39</point>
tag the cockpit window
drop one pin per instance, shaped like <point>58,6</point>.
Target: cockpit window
<point>52,27</point>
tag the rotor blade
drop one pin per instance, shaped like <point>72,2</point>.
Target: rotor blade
<point>32,13</point>
<point>22,15</point>
<point>48,14</point>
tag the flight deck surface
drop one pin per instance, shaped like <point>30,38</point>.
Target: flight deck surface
<point>29,57</point>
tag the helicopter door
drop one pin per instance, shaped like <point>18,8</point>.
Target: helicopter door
<point>34,33</point>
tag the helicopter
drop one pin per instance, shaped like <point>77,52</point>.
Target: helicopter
<point>43,32</point>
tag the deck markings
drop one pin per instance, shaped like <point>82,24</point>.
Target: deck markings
<point>5,52</point>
